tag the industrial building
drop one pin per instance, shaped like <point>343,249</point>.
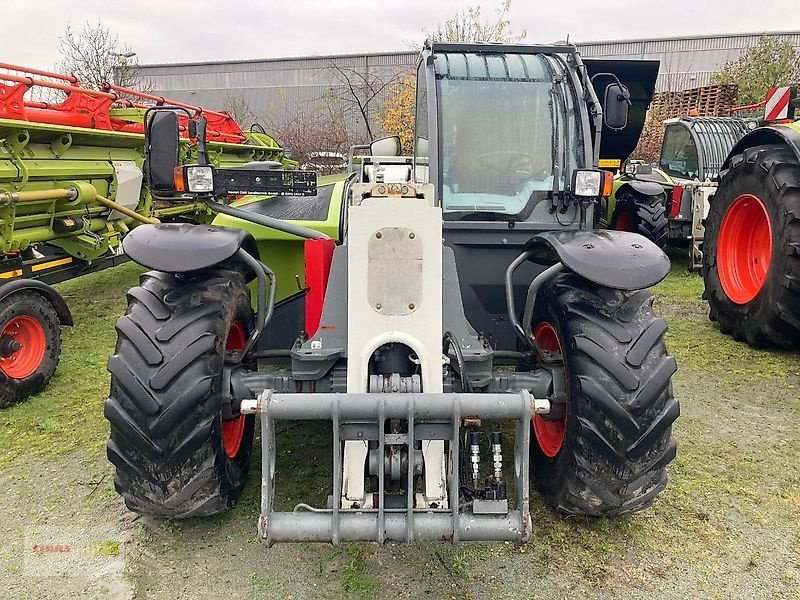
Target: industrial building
<point>279,91</point>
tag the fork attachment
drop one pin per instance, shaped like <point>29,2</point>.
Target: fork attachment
<point>428,420</point>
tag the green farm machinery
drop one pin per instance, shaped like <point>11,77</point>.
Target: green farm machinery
<point>71,187</point>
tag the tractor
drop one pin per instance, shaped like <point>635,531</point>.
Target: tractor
<point>751,255</point>
<point>639,203</point>
<point>442,312</point>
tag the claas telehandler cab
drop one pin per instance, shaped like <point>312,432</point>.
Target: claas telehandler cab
<point>458,323</point>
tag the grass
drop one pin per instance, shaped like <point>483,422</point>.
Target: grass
<point>727,525</point>
<point>352,577</point>
<point>68,415</point>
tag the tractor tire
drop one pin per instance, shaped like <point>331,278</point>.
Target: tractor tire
<point>608,454</point>
<point>751,260</point>
<point>175,455</point>
<point>30,345</point>
<point>645,215</point>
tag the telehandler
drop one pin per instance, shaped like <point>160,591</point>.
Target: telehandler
<point>454,318</point>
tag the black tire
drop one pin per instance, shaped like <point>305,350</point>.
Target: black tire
<point>620,408</point>
<point>165,405</point>
<point>645,215</point>
<point>772,317</point>
<point>43,317</point>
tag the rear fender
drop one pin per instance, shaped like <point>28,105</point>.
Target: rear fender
<point>615,259</point>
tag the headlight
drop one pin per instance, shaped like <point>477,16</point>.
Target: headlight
<point>199,179</point>
<point>587,183</point>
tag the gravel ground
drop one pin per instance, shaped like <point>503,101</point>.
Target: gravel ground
<point>728,525</point>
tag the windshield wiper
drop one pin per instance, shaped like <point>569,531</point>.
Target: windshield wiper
<point>554,197</point>
<point>562,113</point>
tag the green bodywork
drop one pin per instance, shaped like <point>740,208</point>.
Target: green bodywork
<point>282,252</point>
<point>36,156</point>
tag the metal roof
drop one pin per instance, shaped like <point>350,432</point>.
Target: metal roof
<point>278,89</point>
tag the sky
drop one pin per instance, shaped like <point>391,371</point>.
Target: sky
<point>168,31</point>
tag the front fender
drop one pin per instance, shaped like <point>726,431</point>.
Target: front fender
<point>770,134</point>
<point>41,288</point>
<point>645,188</point>
<point>185,247</point>
<point>615,259</point>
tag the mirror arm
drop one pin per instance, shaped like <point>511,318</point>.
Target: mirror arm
<point>597,108</point>
<point>202,148</point>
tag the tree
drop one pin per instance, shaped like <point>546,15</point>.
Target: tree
<point>358,91</point>
<point>773,62</point>
<point>237,107</point>
<point>307,129</point>
<point>397,113</point>
<point>95,56</point>
<point>467,26</point>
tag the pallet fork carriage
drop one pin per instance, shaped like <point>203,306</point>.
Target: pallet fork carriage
<point>417,517</point>
<point>441,271</point>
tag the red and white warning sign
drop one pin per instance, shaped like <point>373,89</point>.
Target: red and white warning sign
<point>777,106</point>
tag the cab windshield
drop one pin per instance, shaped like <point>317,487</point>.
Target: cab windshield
<point>508,127</point>
<point>679,153</point>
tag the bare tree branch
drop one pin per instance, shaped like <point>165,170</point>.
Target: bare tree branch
<point>468,26</point>
<point>95,56</point>
<point>361,89</point>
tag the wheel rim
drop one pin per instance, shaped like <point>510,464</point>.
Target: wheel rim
<point>24,345</point>
<point>233,431</point>
<point>744,251</point>
<point>624,222</point>
<point>549,434</point>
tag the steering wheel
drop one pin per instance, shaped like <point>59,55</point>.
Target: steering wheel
<point>516,166</point>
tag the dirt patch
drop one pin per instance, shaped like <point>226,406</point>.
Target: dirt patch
<point>728,525</point>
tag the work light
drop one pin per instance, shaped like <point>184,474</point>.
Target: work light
<point>199,179</point>
<point>587,183</point>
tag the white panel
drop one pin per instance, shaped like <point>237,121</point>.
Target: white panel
<point>127,186</point>
<point>420,327</point>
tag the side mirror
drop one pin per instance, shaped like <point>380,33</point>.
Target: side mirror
<point>615,106</point>
<point>162,142</point>
<point>388,146</point>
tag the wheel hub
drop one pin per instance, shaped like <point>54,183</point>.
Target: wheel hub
<point>744,251</point>
<point>624,222</point>
<point>8,346</point>
<point>550,433</point>
<point>23,344</point>
<point>233,430</point>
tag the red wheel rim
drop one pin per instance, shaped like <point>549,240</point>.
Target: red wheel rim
<point>28,334</point>
<point>233,431</point>
<point>549,434</point>
<point>744,251</point>
<point>624,222</point>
